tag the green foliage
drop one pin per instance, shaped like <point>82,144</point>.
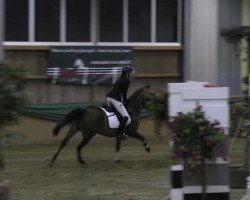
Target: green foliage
<point>238,119</point>
<point>195,138</point>
<point>239,112</point>
<point>158,108</point>
<point>13,97</point>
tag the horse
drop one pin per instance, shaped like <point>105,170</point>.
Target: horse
<point>93,120</point>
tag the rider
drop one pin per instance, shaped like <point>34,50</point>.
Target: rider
<point>117,96</point>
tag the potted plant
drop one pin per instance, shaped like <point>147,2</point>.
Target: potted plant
<point>13,98</point>
<point>196,139</point>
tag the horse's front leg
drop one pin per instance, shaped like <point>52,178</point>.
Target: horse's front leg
<point>117,158</point>
<point>138,136</point>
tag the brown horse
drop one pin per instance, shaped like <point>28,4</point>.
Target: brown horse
<point>92,120</point>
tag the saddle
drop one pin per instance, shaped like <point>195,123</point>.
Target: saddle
<point>114,117</point>
<point>111,109</point>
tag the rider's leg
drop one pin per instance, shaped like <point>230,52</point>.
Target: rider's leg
<point>120,131</point>
<point>124,121</point>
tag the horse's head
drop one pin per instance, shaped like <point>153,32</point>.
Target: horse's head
<point>139,99</point>
<point>147,96</point>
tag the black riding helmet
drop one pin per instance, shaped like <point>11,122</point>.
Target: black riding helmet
<point>126,69</point>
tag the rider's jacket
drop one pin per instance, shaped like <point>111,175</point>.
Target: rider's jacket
<point>120,89</point>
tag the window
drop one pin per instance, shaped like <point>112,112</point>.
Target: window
<point>166,18</point>
<point>47,20</point>
<point>139,20</point>
<point>86,22</point>
<point>111,16</point>
<point>78,20</point>
<point>16,24</point>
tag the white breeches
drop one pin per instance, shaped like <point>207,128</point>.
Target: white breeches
<point>119,107</point>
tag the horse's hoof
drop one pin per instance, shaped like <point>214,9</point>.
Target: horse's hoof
<point>147,149</point>
<point>51,163</point>
<point>82,162</point>
<point>117,157</point>
<point>118,161</point>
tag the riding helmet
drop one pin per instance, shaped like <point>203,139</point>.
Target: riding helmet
<point>127,69</point>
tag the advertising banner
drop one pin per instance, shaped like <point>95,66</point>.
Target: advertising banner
<point>87,64</point>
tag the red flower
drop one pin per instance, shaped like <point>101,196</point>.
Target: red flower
<point>195,137</point>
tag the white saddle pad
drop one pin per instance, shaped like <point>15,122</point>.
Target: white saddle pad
<point>112,119</point>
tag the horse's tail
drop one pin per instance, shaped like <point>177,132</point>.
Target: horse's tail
<point>70,117</point>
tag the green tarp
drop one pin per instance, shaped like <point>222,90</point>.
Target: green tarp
<point>57,111</point>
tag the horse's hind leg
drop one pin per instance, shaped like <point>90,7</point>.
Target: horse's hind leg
<point>86,138</point>
<point>117,151</point>
<point>70,133</point>
<point>138,136</point>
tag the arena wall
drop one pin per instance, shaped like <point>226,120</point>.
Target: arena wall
<point>155,66</point>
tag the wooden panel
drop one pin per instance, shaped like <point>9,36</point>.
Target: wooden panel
<point>157,61</point>
<point>154,67</point>
<point>34,62</point>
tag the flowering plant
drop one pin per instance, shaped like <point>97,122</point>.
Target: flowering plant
<point>158,109</point>
<point>195,138</point>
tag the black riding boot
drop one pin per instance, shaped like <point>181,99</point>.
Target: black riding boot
<point>120,132</point>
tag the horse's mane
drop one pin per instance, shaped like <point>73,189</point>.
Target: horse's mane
<point>133,96</point>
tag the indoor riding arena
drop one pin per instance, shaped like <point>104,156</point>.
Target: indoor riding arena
<point>139,175</point>
<point>29,147</point>
<point>67,54</point>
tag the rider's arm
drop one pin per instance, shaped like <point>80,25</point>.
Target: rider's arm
<point>125,90</point>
